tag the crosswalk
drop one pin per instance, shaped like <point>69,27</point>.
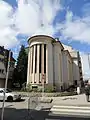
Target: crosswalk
<point>71,110</point>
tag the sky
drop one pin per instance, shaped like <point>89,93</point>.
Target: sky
<point>69,20</point>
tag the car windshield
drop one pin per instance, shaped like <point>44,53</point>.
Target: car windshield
<point>8,90</point>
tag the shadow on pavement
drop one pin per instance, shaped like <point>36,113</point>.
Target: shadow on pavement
<point>24,114</point>
<point>14,100</point>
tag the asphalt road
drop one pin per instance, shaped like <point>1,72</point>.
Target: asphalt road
<point>19,111</point>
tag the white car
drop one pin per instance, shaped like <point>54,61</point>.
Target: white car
<point>9,96</point>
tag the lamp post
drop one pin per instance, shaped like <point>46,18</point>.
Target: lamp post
<point>2,112</point>
<point>89,61</point>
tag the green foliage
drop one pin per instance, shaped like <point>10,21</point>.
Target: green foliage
<point>29,88</point>
<point>20,73</point>
<point>15,75</point>
<point>49,89</point>
<point>39,90</point>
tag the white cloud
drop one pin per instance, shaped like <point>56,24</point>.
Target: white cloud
<point>76,28</point>
<point>86,9</point>
<point>69,16</point>
<point>26,19</point>
<point>7,34</point>
<point>8,37</point>
<point>45,30</point>
<point>31,13</point>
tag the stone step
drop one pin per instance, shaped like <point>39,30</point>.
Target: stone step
<point>70,107</point>
<point>71,110</point>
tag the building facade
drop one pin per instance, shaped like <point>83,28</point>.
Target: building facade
<point>49,63</point>
<point>4,53</point>
<point>77,65</point>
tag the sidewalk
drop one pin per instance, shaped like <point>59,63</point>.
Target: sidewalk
<point>77,100</point>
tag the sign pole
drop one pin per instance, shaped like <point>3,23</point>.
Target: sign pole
<point>2,112</point>
<point>43,85</point>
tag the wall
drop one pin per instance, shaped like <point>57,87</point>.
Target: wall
<point>50,63</point>
<point>65,70</point>
<point>58,66</point>
<point>76,75</point>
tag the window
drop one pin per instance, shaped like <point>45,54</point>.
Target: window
<point>44,58</point>
<point>40,58</point>
<point>36,59</point>
<point>2,71</point>
<point>1,91</point>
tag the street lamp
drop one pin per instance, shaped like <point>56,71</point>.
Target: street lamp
<point>89,61</point>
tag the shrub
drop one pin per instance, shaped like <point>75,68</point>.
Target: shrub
<point>39,90</point>
<point>29,88</point>
<point>49,89</point>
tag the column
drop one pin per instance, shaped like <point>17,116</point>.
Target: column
<point>42,67</point>
<point>46,63</point>
<point>34,64</point>
<point>28,69</point>
<point>38,47</point>
<point>31,65</point>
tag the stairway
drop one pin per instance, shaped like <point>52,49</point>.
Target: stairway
<point>71,110</point>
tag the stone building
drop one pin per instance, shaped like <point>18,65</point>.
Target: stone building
<point>50,63</point>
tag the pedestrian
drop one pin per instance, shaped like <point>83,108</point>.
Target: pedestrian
<point>78,90</point>
<point>87,92</point>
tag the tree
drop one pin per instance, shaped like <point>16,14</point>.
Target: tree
<point>21,67</point>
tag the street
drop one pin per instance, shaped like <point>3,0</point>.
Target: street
<point>19,111</point>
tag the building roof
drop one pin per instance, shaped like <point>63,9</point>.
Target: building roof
<point>53,39</point>
<point>60,44</point>
<point>36,36</point>
<point>68,53</point>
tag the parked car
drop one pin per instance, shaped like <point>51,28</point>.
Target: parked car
<point>9,96</point>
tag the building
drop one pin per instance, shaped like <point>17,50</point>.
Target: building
<point>77,66</point>
<point>51,63</point>
<point>4,53</point>
<point>67,69</point>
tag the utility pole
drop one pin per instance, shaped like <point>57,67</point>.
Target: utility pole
<point>2,112</point>
<point>89,64</point>
<point>89,61</point>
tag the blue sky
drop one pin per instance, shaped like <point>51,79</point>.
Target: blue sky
<point>67,19</point>
<point>76,7</point>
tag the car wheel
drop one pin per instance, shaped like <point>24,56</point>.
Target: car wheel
<point>10,98</point>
